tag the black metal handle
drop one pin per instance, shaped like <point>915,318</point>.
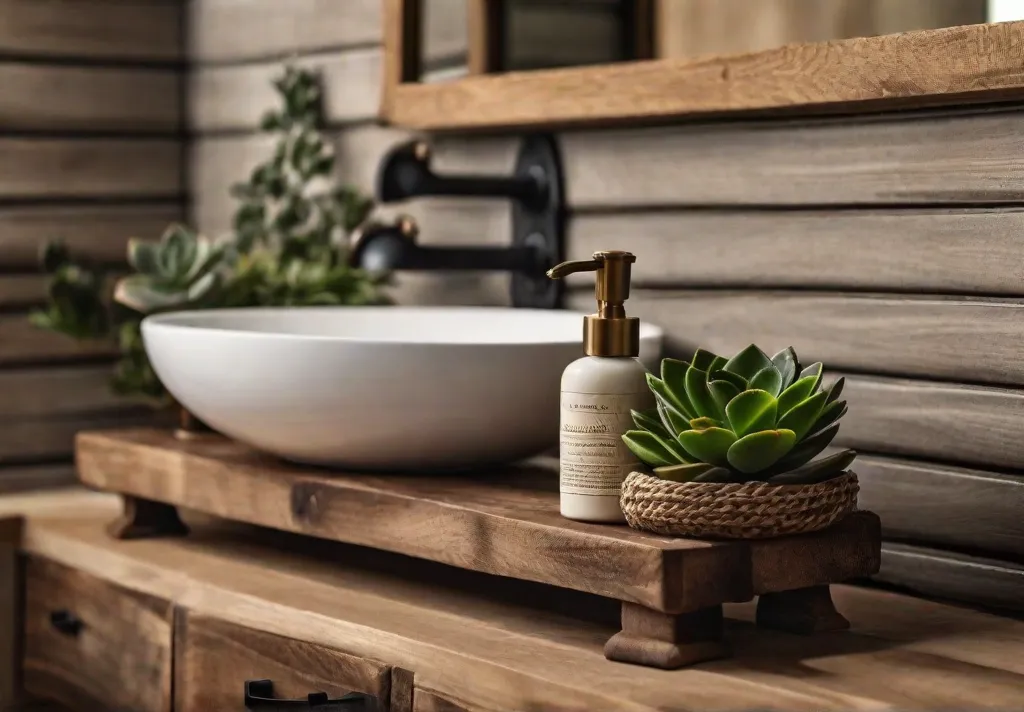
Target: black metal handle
<point>66,622</point>
<point>259,695</point>
<point>405,173</point>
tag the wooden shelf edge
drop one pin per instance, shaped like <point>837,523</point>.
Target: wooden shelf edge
<point>928,68</point>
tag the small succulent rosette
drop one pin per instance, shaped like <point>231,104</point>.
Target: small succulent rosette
<point>732,445</point>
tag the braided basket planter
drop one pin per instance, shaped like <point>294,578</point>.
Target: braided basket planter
<point>749,510</point>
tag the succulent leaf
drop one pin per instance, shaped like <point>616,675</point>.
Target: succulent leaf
<point>787,365</point>
<point>815,370</point>
<point>803,416</point>
<point>835,390</point>
<point>674,421</point>
<point>143,257</point>
<point>699,395</point>
<point>649,448</point>
<point>723,375</point>
<point>829,414</point>
<point>809,448</point>
<point>703,423</point>
<point>817,470</point>
<point>710,445</point>
<point>683,473</point>
<point>716,474</point>
<point>748,362</point>
<point>702,360</point>
<point>800,391</point>
<point>723,392</point>
<point>758,451</point>
<point>767,379</point>
<point>648,420</point>
<point>670,396</point>
<point>752,410</point>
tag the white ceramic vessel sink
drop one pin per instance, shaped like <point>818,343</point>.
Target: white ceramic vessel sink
<point>378,388</point>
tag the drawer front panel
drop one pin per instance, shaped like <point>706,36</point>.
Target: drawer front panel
<point>91,645</point>
<point>214,659</point>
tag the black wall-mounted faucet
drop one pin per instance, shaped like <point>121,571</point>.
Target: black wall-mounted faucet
<point>538,220</point>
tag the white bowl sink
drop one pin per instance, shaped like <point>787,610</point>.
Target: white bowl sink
<point>378,388</point>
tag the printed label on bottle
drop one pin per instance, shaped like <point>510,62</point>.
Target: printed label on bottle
<point>592,457</point>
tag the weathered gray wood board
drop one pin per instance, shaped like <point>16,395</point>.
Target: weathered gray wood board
<point>925,503</point>
<point>127,30</point>
<point>964,339</point>
<point>228,30</point>
<point>81,99</point>
<point>22,343</point>
<point>90,168</point>
<point>975,425</point>
<point>957,577</point>
<point>235,97</point>
<point>953,250</point>
<point>945,159</point>
<point>21,478</point>
<point>96,233</point>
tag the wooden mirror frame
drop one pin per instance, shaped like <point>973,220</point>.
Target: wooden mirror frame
<point>926,68</point>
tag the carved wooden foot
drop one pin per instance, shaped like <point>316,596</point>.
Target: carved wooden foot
<point>667,641</point>
<point>802,610</point>
<point>144,519</point>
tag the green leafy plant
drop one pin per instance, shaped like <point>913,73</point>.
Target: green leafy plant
<point>287,247</point>
<point>748,418</point>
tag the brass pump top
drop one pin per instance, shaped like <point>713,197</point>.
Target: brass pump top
<point>609,332</point>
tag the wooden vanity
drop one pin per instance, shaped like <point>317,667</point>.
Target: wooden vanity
<point>181,624</point>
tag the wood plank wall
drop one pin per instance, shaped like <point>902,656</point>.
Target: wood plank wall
<point>91,149</point>
<point>237,46</point>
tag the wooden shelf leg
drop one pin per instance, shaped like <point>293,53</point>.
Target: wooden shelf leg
<point>667,641</point>
<point>802,610</point>
<point>144,519</point>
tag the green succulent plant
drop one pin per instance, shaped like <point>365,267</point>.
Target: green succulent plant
<point>749,418</point>
<point>287,247</point>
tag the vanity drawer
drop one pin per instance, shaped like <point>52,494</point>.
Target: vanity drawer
<point>214,659</point>
<point>94,646</point>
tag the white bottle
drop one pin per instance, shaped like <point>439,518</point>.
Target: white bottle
<point>598,392</point>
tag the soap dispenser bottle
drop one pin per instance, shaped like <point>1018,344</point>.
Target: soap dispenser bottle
<point>598,392</point>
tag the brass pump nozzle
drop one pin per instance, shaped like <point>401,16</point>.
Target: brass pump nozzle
<point>609,332</point>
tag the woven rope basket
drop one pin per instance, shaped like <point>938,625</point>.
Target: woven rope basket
<point>749,510</point>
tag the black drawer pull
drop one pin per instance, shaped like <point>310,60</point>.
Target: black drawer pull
<point>66,623</point>
<point>259,695</point>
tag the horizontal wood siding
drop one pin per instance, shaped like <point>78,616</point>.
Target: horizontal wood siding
<point>91,152</point>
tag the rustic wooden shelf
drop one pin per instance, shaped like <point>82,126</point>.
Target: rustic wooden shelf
<point>504,523</point>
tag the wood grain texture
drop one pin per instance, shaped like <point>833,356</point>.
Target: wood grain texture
<point>213,660</point>
<point>43,392</point>
<point>83,99</point>
<point>943,506</point>
<point>688,28</point>
<point>909,250</point>
<point>127,30</point>
<point>911,336</point>
<point>235,97</point>
<point>27,478</point>
<point>94,233</point>
<point>975,425</point>
<point>503,523</point>
<point>90,168</point>
<point>235,31</point>
<point>950,66</point>
<point>121,656</point>
<point>11,589</point>
<point>51,438</point>
<point>475,653</point>
<point>950,576</point>
<point>915,158</point>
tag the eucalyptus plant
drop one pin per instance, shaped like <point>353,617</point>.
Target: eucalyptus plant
<point>287,247</point>
<point>748,418</point>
